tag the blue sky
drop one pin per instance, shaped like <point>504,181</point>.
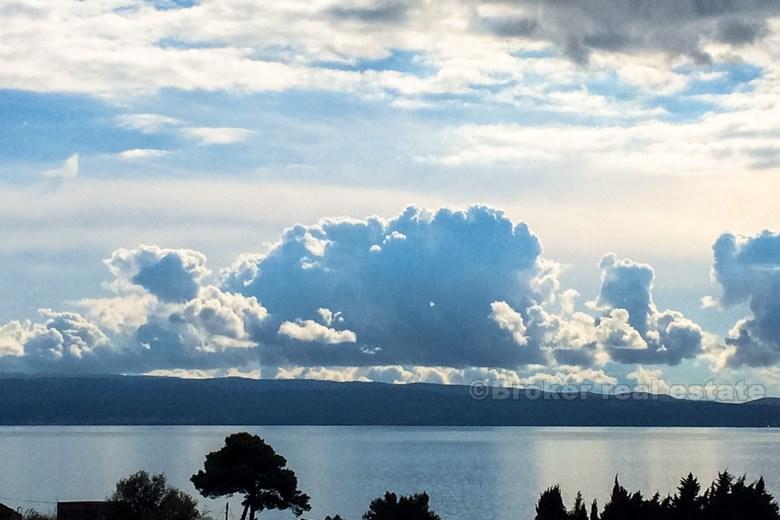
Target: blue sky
<point>649,132</point>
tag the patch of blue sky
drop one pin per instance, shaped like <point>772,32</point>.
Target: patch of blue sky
<point>727,78</point>
<point>682,108</point>
<point>167,5</point>
<point>38,127</point>
<point>399,60</point>
<point>178,43</point>
<point>294,129</point>
<point>250,110</point>
<point>536,54</point>
<point>610,86</point>
<point>677,107</point>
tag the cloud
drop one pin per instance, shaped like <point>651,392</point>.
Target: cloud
<point>748,271</point>
<point>147,123</point>
<point>626,285</point>
<point>110,51</point>
<point>378,11</point>
<point>649,380</point>
<point>166,316</point>
<point>310,330</point>
<point>671,27</point>
<point>383,275</point>
<point>170,274</point>
<point>738,31</point>
<point>142,153</point>
<point>398,374</point>
<point>716,144</point>
<point>70,168</point>
<point>456,289</point>
<point>510,320</point>
<point>63,341</point>
<point>120,314</point>
<point>217,135</point>
<point>12,338</point>
<point>221,314</point>
<point>633,329</point>
<point>568,336</point>
<point>158,123</point>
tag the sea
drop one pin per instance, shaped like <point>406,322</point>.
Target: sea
<point>469,473</point>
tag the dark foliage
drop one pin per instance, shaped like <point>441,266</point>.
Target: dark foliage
<point>151,498</point>
<point>392,507</point>
<point>249,466</point>
<point>726,499</point>
<point>579,512</point>
<point>550,505</point>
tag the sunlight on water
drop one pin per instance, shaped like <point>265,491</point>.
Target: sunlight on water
<point>469,472</point>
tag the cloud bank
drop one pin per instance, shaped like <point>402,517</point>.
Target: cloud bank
<point>434,296</point>
<point>671,27</point>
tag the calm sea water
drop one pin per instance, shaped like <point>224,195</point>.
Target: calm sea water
<point>469,472</point>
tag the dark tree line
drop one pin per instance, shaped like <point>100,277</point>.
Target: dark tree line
<point>728,498</point>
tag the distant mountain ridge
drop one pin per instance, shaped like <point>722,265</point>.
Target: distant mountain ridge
<point>142,400</point>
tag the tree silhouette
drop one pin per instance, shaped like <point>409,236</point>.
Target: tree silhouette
<point>249,466</point>
<point>391,507</point>
<point>687,503</point>
<point>550,505</point>
<point>579,512</point>
<point>657,509</point>
<point>622,505</point>
<point>717,499</point>
<point>594,510</point>
<point>728,499</point>
<point>725,499</point>
<point>151,498</point>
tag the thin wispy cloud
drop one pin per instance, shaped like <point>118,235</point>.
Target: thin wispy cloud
<point>69,168</point>
<point>217,135</point>
<point>142,153</point>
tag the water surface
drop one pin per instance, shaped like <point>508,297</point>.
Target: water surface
<point>469,472</point>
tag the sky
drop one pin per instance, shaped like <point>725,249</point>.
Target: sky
<point>562,192</point>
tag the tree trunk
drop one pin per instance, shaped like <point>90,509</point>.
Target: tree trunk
<point>252,511</point>
<point>246,508</point>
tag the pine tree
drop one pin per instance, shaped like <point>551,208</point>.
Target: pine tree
<point>594,510</point>
<point>686,503</point>
<point>550,505</point>
<point>579,512</point>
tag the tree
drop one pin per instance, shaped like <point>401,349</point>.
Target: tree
<point>391,507</point>
<point>749,501</point>
<point>550,505</point>
<point>249,466</point>
<point>686,504</point>
<point>594,510</point>
<point>726,499</point>
<point>717,499</point>
<point>579,512</point>
<point>151,498</point>
<point>623,505</point>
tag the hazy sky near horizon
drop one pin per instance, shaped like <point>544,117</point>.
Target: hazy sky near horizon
<point>176,177</point>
